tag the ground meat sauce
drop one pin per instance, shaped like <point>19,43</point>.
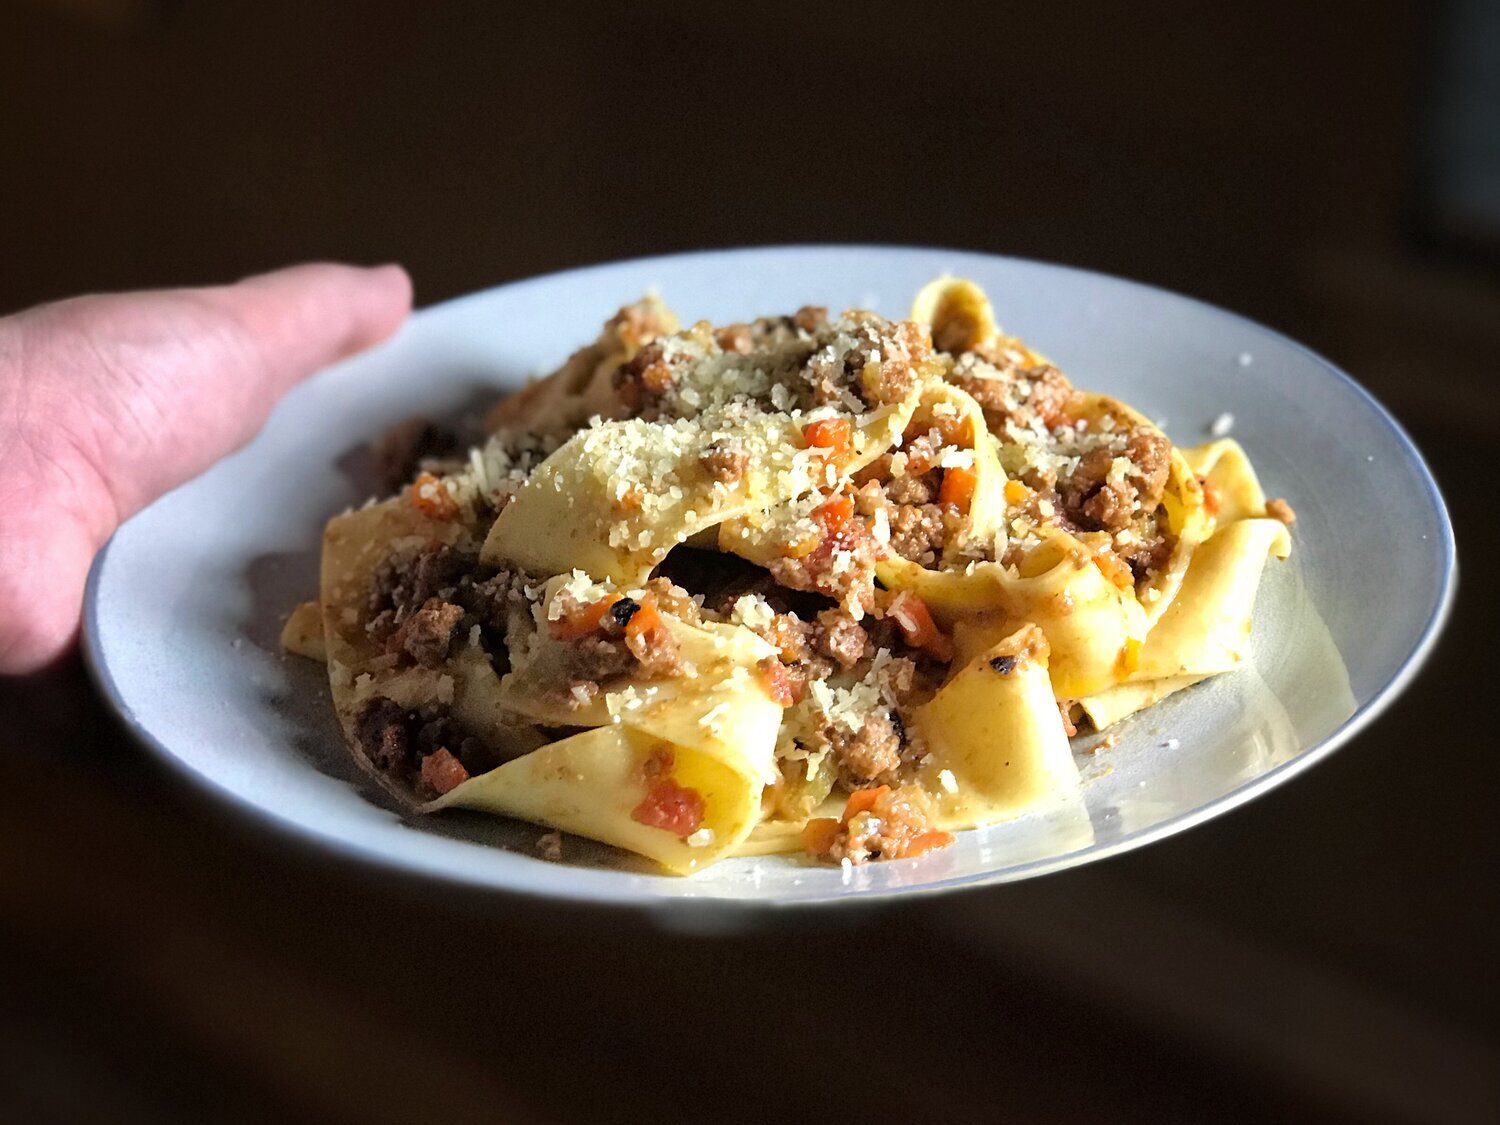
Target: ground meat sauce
<point>879,823</point>
<point>427,635</point>
<point>1019,395</point>
<point>912,490</point>
<point>644,381</point>
<point>840,638</point>
<point>842,565</point>
<point>1100,498</point>
<point>885,360</point>
<point>726,461</point>
<point>883,748</point>
<point>857,363</point>
<point>607,642</point>
<point>1280,510</point>
<point>403,449</point>
<point>399,742</point>
<point>871,755</point>
<point>919,532</point>
<point>1119,490</point>
<point>853,662</point>
<point>422,604</point>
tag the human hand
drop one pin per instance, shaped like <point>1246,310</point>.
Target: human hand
<point>106,402</point>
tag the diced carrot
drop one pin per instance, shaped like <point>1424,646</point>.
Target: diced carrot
<point>1016,492</point>
<point>863,800</point>
<point>954,429</point>
<point>644,620</point>
<point>431,497</point>
<point>1211,498</point>
<point>958,487</point>
<point>777,682</point>
<point>585,621</point>
<point>657,378</point>
<point>835,514</point>
<point>917,626</point>
<point>927,841</point>
<point>819,833</point>
<point>833,434</point>
<point>1116,569</point>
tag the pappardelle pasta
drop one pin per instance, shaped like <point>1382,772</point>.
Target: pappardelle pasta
<point>839,585</point>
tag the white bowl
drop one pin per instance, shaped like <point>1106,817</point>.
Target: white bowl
<point>184,606</point>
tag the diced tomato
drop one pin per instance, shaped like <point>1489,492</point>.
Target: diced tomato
<point>833,434</point>
<point>583,622</point>
<point>430,497</point>
<point>777,681</point>
<point>917,626</point>
<point>670,807</point>
<point>927,841</point>
<point>863,800</point>
<point>958,487</point>
<point>819,833</point>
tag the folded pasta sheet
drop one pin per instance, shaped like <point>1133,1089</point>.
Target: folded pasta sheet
<point>837,584</point>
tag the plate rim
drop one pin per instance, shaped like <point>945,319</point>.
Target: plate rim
<point>287,829</point>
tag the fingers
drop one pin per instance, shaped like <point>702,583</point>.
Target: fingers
<point>107,402</point>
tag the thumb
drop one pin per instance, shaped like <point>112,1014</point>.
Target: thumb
<point>305,317</point>
<point>106,402</point>
<point>153,388</point>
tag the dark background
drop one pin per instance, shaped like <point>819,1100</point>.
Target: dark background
<point>1326,953</point>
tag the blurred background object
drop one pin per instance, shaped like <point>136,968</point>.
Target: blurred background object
<point>1331,170</point>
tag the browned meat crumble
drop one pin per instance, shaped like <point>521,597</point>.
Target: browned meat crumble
<point>1279,509</point>
<point>400,742</point>
<point>404,449</point>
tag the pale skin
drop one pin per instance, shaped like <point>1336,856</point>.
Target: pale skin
<point>106,402</point>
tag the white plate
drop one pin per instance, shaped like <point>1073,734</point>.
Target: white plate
<point>184,606</point>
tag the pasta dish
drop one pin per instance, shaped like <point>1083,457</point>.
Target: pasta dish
<point>830,584</point>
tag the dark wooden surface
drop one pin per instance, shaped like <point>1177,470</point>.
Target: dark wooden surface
<point>1323,954</point>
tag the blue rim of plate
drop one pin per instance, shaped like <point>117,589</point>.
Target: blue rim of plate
<point>269,820</point>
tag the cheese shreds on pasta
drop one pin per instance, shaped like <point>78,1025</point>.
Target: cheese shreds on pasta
<point>822,583</point>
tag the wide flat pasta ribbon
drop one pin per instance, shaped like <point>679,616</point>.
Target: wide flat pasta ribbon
<point>615,499</point>
<point>1227,471</point>
<point>1092,625</point>
<point>717,741</point>
<point>997,742</point>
